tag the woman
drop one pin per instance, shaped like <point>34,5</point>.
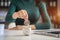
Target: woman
<point>32,10</point>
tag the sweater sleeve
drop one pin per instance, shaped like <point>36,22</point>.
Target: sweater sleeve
<point>11,10</point>
<point>47,23</point>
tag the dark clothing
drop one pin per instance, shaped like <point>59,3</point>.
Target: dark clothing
<point>19,21</point>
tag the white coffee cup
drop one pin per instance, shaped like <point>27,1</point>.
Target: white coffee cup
<point>2,29</point>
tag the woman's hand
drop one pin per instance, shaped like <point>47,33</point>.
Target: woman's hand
<point>23,14</point>
<point>20,14</point>
<point>15,15</point>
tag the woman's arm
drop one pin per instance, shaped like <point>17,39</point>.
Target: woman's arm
<point>11,10</point>
<point>46,20</point>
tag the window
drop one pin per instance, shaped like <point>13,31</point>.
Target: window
<point>4,3</point>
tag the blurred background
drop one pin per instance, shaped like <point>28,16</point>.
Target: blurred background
<point>53,8</point>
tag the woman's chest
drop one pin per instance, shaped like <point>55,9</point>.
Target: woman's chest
<point>25,5</point>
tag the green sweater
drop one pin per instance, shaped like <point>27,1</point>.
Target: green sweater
<point>33,12</point>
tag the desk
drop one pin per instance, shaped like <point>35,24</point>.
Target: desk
<point>18,35</point>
